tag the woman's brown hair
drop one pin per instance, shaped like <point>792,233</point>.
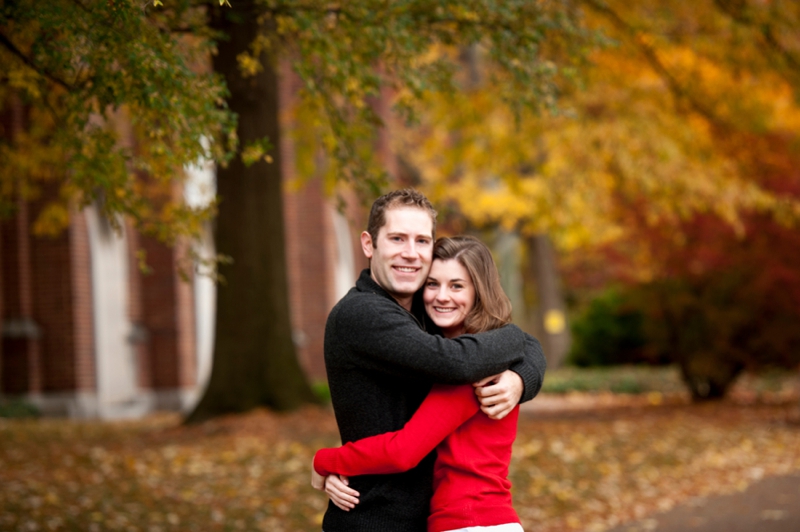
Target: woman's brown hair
<point>492,307</point>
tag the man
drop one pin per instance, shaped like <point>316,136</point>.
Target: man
<point>381,362</point>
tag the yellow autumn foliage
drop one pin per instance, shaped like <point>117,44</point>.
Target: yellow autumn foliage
<point>659,134</point>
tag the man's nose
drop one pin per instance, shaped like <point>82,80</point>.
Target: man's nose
<point>410,250</point>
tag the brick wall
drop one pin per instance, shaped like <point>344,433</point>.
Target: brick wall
<point>52,303</point>
<point>20,342</point>
<point>82,309</point>
<point>309,266</point>
<point>47,285</point>
<point>168,318</point>
<point>308,230</point>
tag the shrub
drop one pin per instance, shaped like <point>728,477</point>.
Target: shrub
<point>17,408</point>
<point>608,332</point>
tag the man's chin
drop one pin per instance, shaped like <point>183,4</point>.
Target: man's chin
<point>407,289</point>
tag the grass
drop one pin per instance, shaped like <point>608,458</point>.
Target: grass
<point>663,379</point>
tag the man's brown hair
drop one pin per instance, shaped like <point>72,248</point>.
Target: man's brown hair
<point>492,307</point>
<point>407,197</point>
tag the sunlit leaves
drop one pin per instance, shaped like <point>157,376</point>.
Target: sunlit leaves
<point>676,118</point>
<point>351,52</point>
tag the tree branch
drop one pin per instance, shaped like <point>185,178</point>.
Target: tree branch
<point>650,55</point>
<point>738,14</point>
<point>25,59</point>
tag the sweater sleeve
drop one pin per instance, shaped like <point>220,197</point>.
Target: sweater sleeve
<point>444,410</point>
<point>531,368</point>
<point>382,336</point>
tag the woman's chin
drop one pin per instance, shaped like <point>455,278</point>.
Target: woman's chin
<point>449,330</point>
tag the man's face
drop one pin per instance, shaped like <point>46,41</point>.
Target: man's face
<point>401,257</point>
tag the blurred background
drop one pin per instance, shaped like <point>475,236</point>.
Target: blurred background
<point>182,188</point>
<point>181,200</point>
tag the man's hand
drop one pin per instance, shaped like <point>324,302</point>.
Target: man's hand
<point>499,394</point>
<point>336,486</point>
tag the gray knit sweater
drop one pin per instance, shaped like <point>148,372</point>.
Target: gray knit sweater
<point>381,363</point>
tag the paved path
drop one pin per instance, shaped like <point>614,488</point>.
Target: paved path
<point>770,505</point>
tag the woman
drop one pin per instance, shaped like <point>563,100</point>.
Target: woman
<point>462,295</point>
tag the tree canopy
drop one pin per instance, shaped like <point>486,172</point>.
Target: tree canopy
<point>688,109</point>
<point>113,102</point>
<point>81,70</point>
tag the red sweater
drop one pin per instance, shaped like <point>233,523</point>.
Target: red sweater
<point>470,479</point>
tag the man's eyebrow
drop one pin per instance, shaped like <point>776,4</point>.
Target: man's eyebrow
<point>403,233</point>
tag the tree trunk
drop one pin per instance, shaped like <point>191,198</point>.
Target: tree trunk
<point>254,362</point>
<point>552,307</point>
<point>709,376</point>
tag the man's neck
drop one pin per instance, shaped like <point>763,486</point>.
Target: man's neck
<point>404,301</point>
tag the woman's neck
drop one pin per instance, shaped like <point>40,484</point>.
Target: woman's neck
<point>453,332</point>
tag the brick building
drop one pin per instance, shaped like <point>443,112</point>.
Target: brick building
<point>86,334</point>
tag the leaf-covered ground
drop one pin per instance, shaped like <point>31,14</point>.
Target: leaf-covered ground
<point>579,468</point>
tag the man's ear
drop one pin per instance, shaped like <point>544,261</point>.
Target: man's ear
<point>366,244</point>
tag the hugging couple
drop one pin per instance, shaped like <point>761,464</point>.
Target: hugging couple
<point>426,374</point>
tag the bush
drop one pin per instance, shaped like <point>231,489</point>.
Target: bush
<point>321,391</point>
<point>715,326</point>
<point>608,332</point>
<point>17,408</point>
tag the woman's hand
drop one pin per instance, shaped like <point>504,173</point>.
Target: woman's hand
<point>317,480</point>
<point>343,496</point>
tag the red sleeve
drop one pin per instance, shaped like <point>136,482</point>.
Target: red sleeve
<point>444,410</point>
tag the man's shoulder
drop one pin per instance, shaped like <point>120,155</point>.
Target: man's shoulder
<point>362,303</point>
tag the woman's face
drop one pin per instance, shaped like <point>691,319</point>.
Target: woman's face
<point>449,296</point>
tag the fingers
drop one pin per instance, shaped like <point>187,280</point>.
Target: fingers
<point>492,394</point>
<point>340,493</point>
<point>498,411</point>
<point>487,380</point>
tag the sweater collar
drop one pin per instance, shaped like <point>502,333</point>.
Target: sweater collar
<point>366,283</point>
